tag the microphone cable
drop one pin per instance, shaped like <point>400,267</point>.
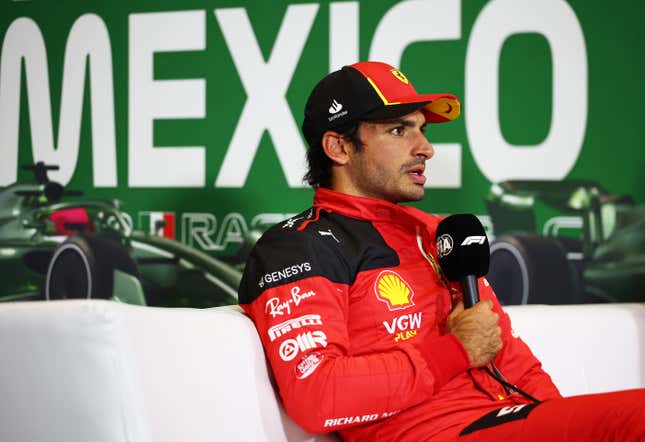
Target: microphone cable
<point>497,375</point>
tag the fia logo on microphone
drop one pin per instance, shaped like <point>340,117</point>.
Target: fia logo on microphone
<point>444,245</point>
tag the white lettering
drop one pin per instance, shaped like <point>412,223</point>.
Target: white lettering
<point>343,34</point>
<point>389,413</point>
<point>557,154</point>
<point>149,99</point>
<point>403,323</point>
<point>508,410</point>
<point>351,420</point>
<point>308,365</point>
<point>287,272</point>
<point>298,297</point>
<point>88,42</point>
<point>290,348</point>
<point>198,228</point>
<point>425,20</point>
<point>476,239</point>
<point>285,327</point>
<point>275,307</point>
<point>266,86</point>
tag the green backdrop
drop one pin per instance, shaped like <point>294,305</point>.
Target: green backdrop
<point>191,108</point>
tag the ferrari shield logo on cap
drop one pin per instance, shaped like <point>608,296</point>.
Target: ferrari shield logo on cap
<point>391,289</point>
<point>400,76</point>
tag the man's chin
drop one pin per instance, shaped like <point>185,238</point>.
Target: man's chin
<point>411,196</point>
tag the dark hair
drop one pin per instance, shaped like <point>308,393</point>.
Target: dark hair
<point>319,173</point>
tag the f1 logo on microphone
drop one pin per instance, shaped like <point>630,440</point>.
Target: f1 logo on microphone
<point>473,240</point>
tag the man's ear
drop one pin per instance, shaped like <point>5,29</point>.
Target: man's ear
<point>336,147</point>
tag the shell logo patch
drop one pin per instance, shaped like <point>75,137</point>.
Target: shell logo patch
<point>400,76</point>
<point>391,289</point>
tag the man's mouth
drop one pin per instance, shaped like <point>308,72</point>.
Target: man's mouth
<point>417,175</point>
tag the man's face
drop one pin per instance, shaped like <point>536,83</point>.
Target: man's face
<point>391,163</point>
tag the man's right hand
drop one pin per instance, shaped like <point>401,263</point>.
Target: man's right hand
<point>478,330</point>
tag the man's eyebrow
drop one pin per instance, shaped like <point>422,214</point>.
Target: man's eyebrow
<point>407,122</point>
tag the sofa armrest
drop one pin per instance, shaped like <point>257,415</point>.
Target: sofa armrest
<point>82,370</point>
<point>588,348</point>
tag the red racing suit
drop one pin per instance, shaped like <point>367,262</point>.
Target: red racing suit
<point>351,310</point>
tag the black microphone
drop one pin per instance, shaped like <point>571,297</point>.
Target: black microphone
<point>463,251</point>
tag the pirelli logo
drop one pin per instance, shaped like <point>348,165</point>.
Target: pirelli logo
<point>285,327</point>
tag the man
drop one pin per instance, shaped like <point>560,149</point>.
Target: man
<point>363,333</point>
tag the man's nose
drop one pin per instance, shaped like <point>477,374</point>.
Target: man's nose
<point>423,147</point>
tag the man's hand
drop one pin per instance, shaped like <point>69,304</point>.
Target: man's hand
<point>478,331</point>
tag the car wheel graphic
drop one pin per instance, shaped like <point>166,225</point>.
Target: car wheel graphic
<point>83,267</point>
<point>534,269</point>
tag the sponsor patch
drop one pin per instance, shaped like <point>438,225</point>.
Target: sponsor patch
<point>338,115</point>
<point>308,365</point>
<point>329,233</point>
<point>337,421</point>
<point>391,289</point>
<point>474,240</point>
<point>291,222</point>
<point>335,107</point>
<point>276,307</point>
<point>499,417</point>
<point>444,245</point>
<point>350,420</point>
<point>404,327</point>
<point>284,273</point>
<point>400,76</point>
<point>290,348</point>
<point>285,327</point>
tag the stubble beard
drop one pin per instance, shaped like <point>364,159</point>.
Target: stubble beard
<point>375,183</point>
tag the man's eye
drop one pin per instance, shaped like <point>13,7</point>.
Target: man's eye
<point>397,131</point>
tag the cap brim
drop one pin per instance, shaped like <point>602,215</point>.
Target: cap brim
<point>437,108</point>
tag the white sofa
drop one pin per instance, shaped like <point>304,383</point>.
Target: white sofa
<point>101,371</point>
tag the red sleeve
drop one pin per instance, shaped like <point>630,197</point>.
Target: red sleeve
<point>516,361</point>
<point>302,323</point>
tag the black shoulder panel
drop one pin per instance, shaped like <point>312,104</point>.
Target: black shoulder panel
<point>333,246</point>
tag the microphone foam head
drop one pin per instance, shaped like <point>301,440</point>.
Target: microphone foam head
<point>462,247</point>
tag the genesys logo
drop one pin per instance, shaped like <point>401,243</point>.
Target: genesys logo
<point>276,307</point>
<point>307,365</point>
<point>284,273</point>
<point>290,348</point>
<point>404,327</point>
<point>285,327</point>
<point>392,289</point>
